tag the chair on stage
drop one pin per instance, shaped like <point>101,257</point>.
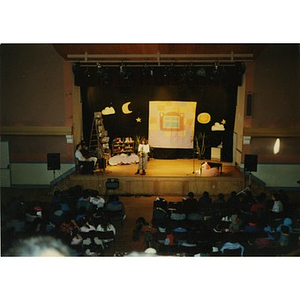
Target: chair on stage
<point>84,167</point>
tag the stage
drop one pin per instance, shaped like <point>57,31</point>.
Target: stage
<point>163,177</point>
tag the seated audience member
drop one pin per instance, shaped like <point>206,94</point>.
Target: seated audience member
<point>219,205</point>
<point>251,226</point>
<point>57,215</point>
<point>159,216</point>
<point>169,240</point>
<point>286,222</point>
<point>257,205</point>
<point>233,203</point>
<point>234,226</point>
<point>85,201</point>
<point>160,202</point>
<point>190,203</point>
<point>246,202</point>
<point>160,234</point>
<point>104,225</point>
<point>115,209</point>
<point>97,201</point>
<point>66,228</point>
<point>284,199</point>
<point>195,215</point>
<point>76,241</point>
<point>284,239</point>
<point>142,235</point>
<point>178,214</point>
<point>205,202</point>
<point>87,227</point>
<point>232,244</point>
<point>267,201</point>
<point>114,204</point>
<point>277,207</point>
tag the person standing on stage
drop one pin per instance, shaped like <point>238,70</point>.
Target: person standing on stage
<point>143,151</point>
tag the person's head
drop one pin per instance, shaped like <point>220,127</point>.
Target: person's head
<point>78,147</point>
<point>205,193</point>
<point>191,195</point>
<point>233,194</point>
<point>141,221</point>
<point>104,222</point>
<point>113,198</point>
<point>86,194</point>
<point>284,229</point>
<point>39,246</point>
<point>137,232</point>
<point>221,196</point>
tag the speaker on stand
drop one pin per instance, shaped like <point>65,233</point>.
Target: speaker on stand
<point>250,165</point>
<point>53,163</point>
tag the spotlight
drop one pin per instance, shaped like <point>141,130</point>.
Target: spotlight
<point>87,72</point>
<point>201,72</point>
<point>215,71</point>
<point>165,72</point>
<point>145,70</point>
<point>241,68</point>
<point>76,68</point>
<point>125,74</point>
<point>102,73</point>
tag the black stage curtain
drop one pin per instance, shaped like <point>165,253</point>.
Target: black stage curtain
<point>216,98</point>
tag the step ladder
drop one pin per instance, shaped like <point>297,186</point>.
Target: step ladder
<point>99,140</point>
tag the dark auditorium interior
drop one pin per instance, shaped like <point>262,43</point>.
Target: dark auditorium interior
<point>246,130</point>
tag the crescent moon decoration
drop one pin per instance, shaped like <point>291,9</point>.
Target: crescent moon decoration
<point>125,108</point>
<point>204,118</point>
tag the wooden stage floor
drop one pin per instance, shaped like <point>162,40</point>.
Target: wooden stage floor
<point>168,167</point>
<point>163,177</point>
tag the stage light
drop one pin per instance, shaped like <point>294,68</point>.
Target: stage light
<point>201,72</point>
<point>102,73</point>
<point>125,74</point>
<point>87,72</point>
<point>276,147</point>
<point>241,68</point>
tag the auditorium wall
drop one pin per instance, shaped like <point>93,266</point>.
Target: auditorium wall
<point>37,108</point>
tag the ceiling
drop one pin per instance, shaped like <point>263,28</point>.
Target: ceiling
<point>158,53</point>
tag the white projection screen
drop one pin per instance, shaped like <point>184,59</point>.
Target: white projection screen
<point>172,124</point>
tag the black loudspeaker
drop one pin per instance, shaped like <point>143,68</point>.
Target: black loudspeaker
<point>53,161</point>
<point>249,105</point>
<point>112,183</point>
<point>250,162</point>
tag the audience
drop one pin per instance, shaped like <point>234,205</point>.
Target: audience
<point>245,222</point>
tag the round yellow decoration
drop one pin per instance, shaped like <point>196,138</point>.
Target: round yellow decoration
<point>204,118</point>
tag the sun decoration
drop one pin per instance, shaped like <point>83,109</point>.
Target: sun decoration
<point>204,118</point>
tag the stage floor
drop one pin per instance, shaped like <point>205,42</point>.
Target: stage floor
<point>171,168</point>
<point>163,177</point>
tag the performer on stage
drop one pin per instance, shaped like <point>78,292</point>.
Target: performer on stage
<point>143,151</point>
<point>80,156</point>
